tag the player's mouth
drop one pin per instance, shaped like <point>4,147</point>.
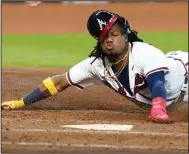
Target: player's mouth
<point>109,47</point>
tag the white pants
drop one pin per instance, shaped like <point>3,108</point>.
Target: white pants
<point>174,80</point>
<point>183,62</point>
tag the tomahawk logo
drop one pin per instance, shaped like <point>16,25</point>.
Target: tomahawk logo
<point>100,22</point>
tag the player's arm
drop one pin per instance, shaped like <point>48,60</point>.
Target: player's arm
<point>53,85</point>
<point>154,66</point>
<point>156,85</point>
<point>49,87</point>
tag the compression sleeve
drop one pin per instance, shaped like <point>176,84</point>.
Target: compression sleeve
<point>155,83</point>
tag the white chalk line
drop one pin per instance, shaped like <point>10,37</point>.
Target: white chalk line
<point>59,144</point>
<point>97,131</point>
<point>104,122</point>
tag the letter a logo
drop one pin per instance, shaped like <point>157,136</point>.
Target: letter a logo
<point>100,22</point>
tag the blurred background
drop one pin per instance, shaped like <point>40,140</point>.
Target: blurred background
<point>54,34</point>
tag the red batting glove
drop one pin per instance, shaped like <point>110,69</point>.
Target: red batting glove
<point>158,111</point>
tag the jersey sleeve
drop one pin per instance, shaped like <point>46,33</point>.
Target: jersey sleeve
<point>150,60</point>
<point>82,74</point>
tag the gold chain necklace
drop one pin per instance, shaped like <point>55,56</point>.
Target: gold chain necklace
<point>125,60</point>
<point>120,59</point>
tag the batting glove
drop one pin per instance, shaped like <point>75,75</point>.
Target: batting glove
<point>158,111</point>
<point>12,104</point>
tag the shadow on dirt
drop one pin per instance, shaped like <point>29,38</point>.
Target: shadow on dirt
<point>177,112</point>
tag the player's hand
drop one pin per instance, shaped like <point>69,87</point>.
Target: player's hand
<point>11,105</point>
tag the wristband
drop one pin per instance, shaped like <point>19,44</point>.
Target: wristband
<point>17,104</point>
<point>50,86</point>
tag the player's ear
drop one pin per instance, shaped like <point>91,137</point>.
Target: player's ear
<point>126,37</point>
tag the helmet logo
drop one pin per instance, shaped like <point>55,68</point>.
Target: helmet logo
<point>100,22</point>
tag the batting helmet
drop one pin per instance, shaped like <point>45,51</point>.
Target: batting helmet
<point>100,22</point>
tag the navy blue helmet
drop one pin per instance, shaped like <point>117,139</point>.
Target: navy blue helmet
<point>100,22</point>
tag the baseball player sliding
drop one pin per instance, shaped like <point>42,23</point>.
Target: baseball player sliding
<point>125,63</point>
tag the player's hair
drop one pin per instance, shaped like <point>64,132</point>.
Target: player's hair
<point>98,52</point>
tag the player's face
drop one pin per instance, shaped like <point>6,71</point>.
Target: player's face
<point>114,43</point>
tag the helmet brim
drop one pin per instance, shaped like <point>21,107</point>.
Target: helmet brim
<point>107,28</point>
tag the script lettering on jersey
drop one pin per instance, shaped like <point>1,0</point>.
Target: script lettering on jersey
<point>100,22</point>
<point>140,83</point>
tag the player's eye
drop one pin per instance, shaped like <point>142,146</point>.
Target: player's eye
<point>115,34</point>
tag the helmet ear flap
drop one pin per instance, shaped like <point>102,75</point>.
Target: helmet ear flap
<point>125,23</point>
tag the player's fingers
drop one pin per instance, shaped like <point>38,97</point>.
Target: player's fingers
<point>5,106</point>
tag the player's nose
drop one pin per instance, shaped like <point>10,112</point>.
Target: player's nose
<point>109,39</point>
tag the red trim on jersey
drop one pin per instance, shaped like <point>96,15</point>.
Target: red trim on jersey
<point>69,79</point>
<point>154,70</point>
<point>114,79</point>
<point>107,28</point>
<point>183,65</point>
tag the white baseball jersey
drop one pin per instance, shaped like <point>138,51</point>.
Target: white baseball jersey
<point>144,59</point>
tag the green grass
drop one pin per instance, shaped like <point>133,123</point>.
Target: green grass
<point>167,41</point>
<point>45,50</point>
<point>68,49</point>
